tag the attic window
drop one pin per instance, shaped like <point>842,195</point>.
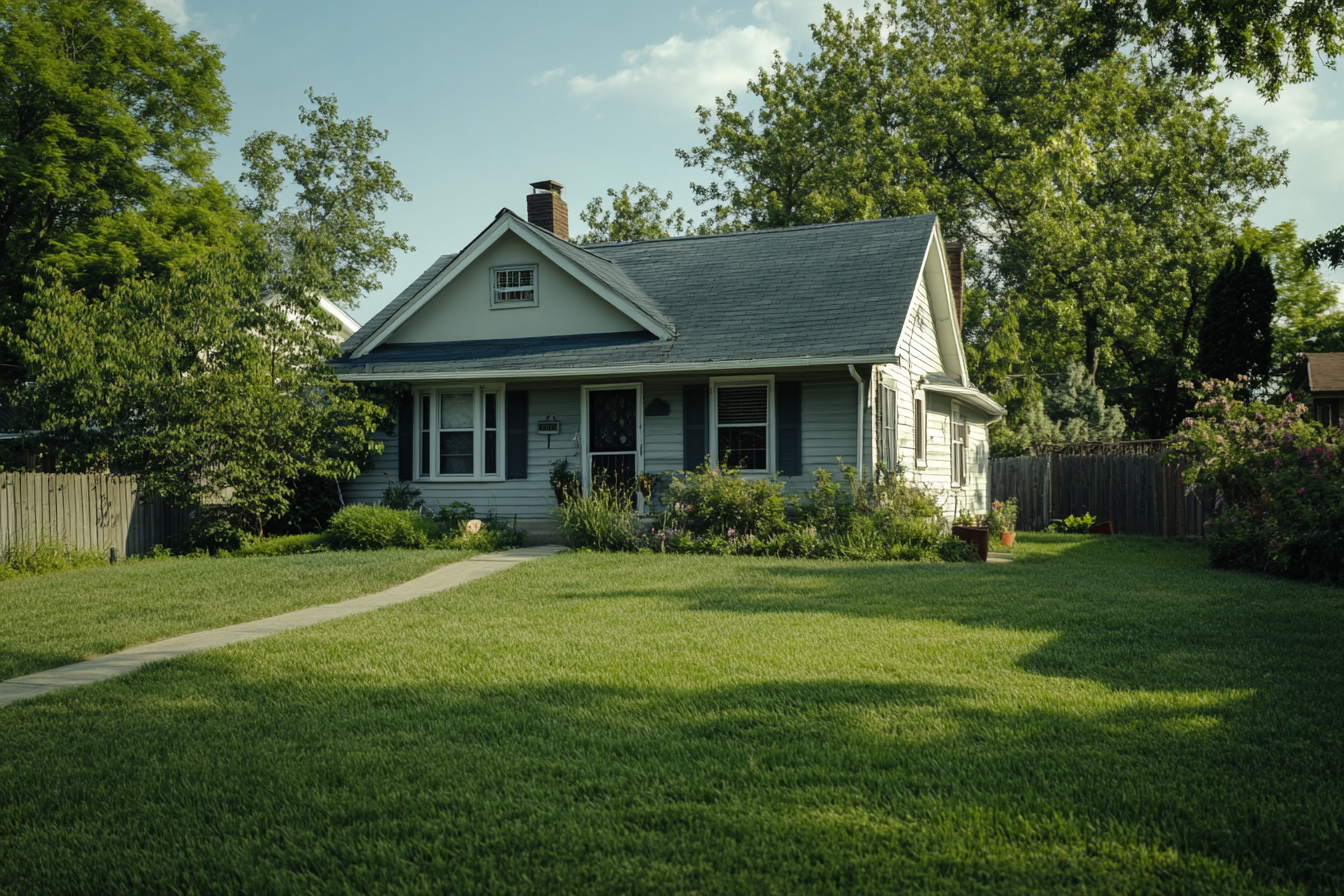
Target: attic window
<point>514,286</point>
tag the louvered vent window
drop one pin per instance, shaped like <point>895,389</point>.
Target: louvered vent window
<point>513,286</point>
<point>743,425</point>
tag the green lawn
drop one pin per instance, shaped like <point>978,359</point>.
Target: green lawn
<point>1102,716</point>
<point>48,621</point>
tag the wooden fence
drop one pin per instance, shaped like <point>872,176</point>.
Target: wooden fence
<point>85,511</point>
<point>1137,492</point>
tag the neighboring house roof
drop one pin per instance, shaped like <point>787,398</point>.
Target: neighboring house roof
<point>1324,372</point>
<point>349,326</point>
<point>828,293</point>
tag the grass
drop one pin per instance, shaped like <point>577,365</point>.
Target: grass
<point>51,620</point>
<point>1102,716</point>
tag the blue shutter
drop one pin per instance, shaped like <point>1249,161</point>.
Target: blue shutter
<point>515,434</point>
<point>694,426</point>
<point>789,427</point>
<point>406,439</point>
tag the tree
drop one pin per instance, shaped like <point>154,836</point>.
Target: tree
<point>1237,337</point>
<point>638,213</point>
<point>106,126</point>
<point>1097,207</point>
<point>1074,410</point>
<point>192,382</point>
<point>1327,249</point>
<point>329,242</point>
<point>1270,42</point>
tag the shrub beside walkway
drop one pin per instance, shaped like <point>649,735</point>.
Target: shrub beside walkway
<point>105,667</point>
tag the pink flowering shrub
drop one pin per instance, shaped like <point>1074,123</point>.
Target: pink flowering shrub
<point>1279,481</point>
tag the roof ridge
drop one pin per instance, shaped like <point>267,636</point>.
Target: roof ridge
<point>733,233</point>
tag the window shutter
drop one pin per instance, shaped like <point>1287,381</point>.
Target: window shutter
<point>406,439</point>
<point>694,426</point>
<point>789,428</point>
<point>515,434</point>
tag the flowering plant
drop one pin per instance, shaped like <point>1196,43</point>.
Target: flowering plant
<point>1002,517</point>
<point>1277,476</point>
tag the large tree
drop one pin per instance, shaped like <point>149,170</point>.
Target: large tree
<point>636,213</point>
<point>1098,207</point>
<point>1237,336</point>
<point>106,126</point>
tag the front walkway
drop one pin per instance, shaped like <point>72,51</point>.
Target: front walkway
<point>114,664</point>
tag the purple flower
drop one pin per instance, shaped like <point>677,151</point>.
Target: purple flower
<point>1290,396</point>
<point>1302,491</point>
<point>1278,463</point>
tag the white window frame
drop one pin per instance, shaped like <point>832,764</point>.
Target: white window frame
<point>958,435</point>
<point>889,410</point>
<point>920,414</point>
<point>497,303</point>
<point>478,393</point>
<point>771,456</point>
<point>587,472</point>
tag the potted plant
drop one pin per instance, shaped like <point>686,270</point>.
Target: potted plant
<point>564,480</point>
<point>1003,521</point>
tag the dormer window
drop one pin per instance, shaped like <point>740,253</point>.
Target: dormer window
<point>514,286</point>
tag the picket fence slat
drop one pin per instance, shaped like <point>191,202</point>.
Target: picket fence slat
<point>1138,493</point>
<point>85,511</point>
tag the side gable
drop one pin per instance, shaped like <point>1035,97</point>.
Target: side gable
<point>590,296</point>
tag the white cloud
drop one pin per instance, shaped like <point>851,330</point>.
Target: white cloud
<point>551,75</point>
<point>1308,121</point>
<point>173,11</point>
<point>687,72</point>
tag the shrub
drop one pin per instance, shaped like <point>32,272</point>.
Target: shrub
<point>1279,481</point>
<point>1073,525</point>
<point>604,520</point>
<point>280,545</point>
<point>455,514</point>
<point>715,501</point>
<point>373,526</point>
<point>1002,518</point>
<point>215,528</point>
<point>402,496</point>
<point>496,534</point>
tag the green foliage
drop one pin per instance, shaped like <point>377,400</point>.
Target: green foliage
<point>1072,525</point>
<point>283,545</point>
<point>107,121</point>
<point>20,560</point>
<point>717,501</point>
<point>402,496</point>
<point>1099,207</point>
<point>1326,249</point>
<point>330,242</point>
<point>1073,410</point>
<point>603,520</point>
<point>1279,481</point>
<point>371,527</point>
<point>1271,44</point>
<point>638,213</point>
<point>1237,337</point>
<point>562,477</point>
<point>1002,518</point>
<point>454,514</point>
<point>215,528</point>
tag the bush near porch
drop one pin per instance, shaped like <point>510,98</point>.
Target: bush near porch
<point>719,511</point>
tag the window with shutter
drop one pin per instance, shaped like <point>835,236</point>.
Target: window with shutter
<point>741,430</point>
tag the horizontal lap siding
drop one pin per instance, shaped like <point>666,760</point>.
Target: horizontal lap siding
<point>829,430</point>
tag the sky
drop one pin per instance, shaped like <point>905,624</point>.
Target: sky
<point>481,99</point>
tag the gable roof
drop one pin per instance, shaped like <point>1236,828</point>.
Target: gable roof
<point>824,293</point>
<point>1325,371</point>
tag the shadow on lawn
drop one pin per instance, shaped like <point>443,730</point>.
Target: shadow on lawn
<point>175,779</point>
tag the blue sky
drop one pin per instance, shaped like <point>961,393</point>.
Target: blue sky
<point>482,98</point>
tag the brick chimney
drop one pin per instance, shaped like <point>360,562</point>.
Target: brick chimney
<point>956,269</point>
<point>547,210</point>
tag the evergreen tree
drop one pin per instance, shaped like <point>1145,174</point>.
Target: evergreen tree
<point>1237,336</point>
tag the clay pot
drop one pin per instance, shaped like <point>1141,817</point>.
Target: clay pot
<point>1106,528</point>
<point>1007,538</point>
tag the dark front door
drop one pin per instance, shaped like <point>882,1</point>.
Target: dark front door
<point>613,437</point>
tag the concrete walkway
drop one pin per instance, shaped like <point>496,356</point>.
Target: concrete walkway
<point>114,664</point>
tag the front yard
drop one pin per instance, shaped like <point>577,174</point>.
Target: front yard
<point>1102,715</point>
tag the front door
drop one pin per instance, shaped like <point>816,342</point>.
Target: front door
<point>613,437</point>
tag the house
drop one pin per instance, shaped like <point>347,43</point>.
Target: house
<point>1319,383</point>
<point>779,351</point>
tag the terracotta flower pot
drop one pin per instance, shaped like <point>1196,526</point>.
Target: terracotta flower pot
<point>1007,538</point>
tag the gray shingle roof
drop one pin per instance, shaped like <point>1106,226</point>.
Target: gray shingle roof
<point>835,291</point>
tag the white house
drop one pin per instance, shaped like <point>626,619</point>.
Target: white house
<point>781,351</point>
